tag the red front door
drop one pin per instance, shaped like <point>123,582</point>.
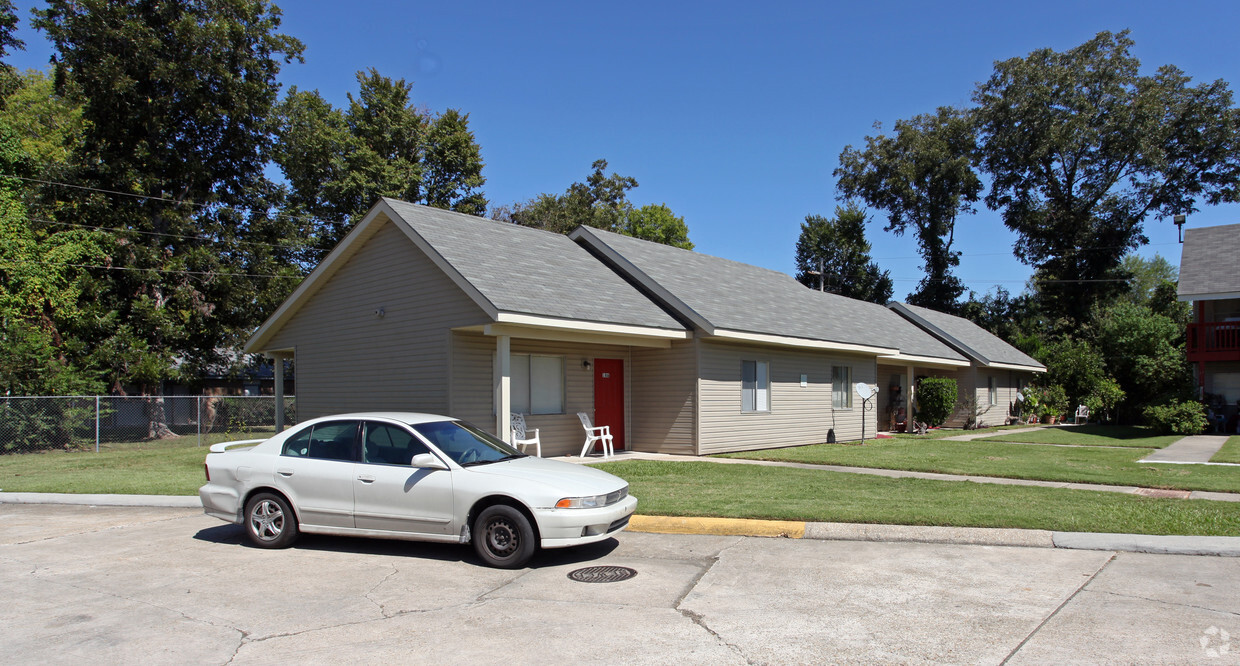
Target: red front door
<point>609,398</point>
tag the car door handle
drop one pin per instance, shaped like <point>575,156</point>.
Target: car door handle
<point>284,472</point>
<point>366,478</point>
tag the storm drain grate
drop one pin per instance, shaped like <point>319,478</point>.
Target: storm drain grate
<point>602,574</point>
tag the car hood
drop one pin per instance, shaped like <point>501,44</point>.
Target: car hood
<point>567,479</point>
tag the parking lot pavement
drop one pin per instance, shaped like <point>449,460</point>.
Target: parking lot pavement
<point>120,585</point>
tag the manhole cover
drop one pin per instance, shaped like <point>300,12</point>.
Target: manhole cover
<point>602,574</point>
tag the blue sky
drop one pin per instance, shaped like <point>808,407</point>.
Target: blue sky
<point>733,114</point>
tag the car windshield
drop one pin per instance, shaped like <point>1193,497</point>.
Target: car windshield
<point>465,443</point>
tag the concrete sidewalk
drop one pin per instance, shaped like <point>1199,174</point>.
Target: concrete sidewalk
<point>933,476</point>
<point>980,536</point>
<point>1197,449</point>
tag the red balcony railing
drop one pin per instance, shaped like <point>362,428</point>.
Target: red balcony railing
<point>1214,341</point>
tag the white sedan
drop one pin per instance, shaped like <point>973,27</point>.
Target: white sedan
<point>411,476</point>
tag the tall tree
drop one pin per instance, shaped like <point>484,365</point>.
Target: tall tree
<point>8,43</point>
<point>833,255</point>
<point>176,99</point>
<point>923,176</point>
<point>1081,149</point>
<point>601,202</point>
<point>339,162</point>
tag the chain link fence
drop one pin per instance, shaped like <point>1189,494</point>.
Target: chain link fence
<point>85,423</point>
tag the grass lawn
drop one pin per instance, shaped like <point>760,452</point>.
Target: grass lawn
<point>940,433</point>
<point>1091,435</point>
<point>1011,460</point>
<point>1230,453</point>
<point>779,493</point>
<point>167,467</point>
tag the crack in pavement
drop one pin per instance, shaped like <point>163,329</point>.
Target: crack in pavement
<point>699,619</point>
<point>1055,612</point>
<point>1165,602</point>
<point>376,586</point>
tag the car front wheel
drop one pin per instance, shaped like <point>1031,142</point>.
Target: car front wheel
<point>503,537</point>
<point>269,521</point>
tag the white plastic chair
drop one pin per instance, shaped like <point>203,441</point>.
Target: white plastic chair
<point>593,434</point>
<point>519,435</point>
<point>1082,412</point>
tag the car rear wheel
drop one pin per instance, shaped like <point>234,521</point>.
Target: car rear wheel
<point>503,537</point>
<point>269,521</point>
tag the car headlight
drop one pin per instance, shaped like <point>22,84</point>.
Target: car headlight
<point>593,501</point>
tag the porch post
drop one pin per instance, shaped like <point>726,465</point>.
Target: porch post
<point>279,376</point>
<point>503,392</point>
<point>908,401</point>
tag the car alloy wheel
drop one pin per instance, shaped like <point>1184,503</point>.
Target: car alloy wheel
<point>269,522</point>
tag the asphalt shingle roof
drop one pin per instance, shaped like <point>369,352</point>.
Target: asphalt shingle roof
<point>530,271</point>
<point>1209,260</point>
<point>740,297</point>
<point>974,338</point>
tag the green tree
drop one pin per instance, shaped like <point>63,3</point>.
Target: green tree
<point>923,176</point>
<point>833,255</point>
<point>601,202</point>
<point>176,99</point>
<point>1144,352</point>
<point>1081,148</point>
<point>339,162</point>
<point>8,43</point>
<point>657,222</point>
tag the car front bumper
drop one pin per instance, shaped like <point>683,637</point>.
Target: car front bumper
<point>561,528</point>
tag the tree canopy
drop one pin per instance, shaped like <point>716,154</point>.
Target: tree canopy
<point>833,255</point>
<point>922,175</point>
<point>1081,149</point>
<point>175,102</point>
<point>338,162</point>
<point>601,202</point>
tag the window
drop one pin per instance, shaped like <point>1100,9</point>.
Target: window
<point>841,387</point>
<point>992,393</point>
<point>326,441</point>
<point>537,384</point>
<point>387,444</point>
<point>755,386</point>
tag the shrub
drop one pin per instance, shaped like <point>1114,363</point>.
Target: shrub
<point>1053,400</point>
<point>1177,418</point>
<point>936,399</point>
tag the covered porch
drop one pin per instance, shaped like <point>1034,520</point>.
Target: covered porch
<point>897,385</point>
<point>550,370</point>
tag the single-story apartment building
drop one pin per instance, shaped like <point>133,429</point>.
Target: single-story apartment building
<point>424,309</point>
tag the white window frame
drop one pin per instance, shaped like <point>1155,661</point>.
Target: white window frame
<point>841,396</point>
<point>756,388</point>
<point>992,391</point>
<point>537,383</point>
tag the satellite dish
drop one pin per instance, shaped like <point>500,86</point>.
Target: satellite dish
<point>864,390</point>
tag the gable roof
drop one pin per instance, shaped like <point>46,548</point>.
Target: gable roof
<point>515,274</point>
<point>1208,263</point>
<point>729,299</point>
<point>968,338</point>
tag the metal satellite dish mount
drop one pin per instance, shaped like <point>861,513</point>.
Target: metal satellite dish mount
<point>865,392</point>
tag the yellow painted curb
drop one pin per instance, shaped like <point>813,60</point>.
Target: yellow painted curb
<point>717,526</point>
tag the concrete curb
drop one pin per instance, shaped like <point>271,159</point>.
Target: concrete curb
<point>977,536</point>
<point>168,501</point>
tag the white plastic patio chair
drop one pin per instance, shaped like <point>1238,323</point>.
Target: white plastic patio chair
<point>1082,413</point>
<point>593,434</point>
<point>519,438</point>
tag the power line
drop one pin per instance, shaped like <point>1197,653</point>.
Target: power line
<point>160,233</point>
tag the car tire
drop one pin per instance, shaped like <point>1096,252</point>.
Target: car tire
<point>270,522</point>
<point>503,537</point>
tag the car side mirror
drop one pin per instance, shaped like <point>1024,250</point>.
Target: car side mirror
<point>427,461</point>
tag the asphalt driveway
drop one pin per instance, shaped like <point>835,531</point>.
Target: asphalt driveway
<point>130,584</point>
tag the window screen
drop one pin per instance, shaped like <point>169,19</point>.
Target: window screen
<point>841,387</point>
<point>537,384</point>
<point>755,386</point>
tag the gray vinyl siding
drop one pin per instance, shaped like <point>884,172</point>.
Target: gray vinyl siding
<point>664,408</point>
<point>797,415</point>
<point>349,359</point>
<point>473,388</point>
